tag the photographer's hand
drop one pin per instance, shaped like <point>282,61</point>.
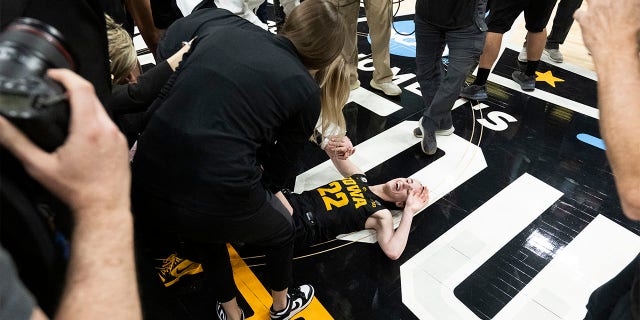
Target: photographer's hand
<point>91,168</point>
<point>90,172</point>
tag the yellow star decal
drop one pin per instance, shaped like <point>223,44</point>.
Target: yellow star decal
<point>548,78</point>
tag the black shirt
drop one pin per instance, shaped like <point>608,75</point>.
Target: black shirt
<point>453,14</point>
<point>237,90</point>
<point>81,22</point>
<point>341,206</point>
<point>187,28</point>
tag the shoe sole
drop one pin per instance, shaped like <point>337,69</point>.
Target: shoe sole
<point>417,132</point>
<point>445,132</point>
<point>375,86</point>
<point>481,97</point>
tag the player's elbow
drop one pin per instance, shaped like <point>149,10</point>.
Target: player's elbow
<point>393,253</point>
<point>394,256</point>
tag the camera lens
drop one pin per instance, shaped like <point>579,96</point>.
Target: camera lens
<point>28,98</point>
<point>29,47</point>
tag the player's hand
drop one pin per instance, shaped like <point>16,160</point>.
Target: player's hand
<point>340,148</point>
<point>417,199</point>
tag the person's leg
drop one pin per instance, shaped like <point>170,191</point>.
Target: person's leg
<point>215,259</point>
<point>535,45</point>
<point>349,9</point>
<point>429,47</point>
<point>287,301</point>
<point>465,46</point>
<point>536,16</point>
<point>379,22</point>
<point>259,219</point>
<point>562,23</point>
<point>489,55</point>
<point>499,21</point>
<point>478,90</point>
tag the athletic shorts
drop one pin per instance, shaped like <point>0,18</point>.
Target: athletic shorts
<point>503,13</point>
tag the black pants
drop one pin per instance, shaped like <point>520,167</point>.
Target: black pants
<point>614,300</point>
<point>440,91</point>
<point>562,22</point>
<point>205,234</point>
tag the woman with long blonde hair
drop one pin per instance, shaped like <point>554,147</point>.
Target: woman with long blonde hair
<point>228,132</point>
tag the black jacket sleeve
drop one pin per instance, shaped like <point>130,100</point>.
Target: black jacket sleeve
<point>281,159</point>
<point>138,97</point>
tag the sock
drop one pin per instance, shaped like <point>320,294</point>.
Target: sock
<point>481,78</point>
<point>531,68</point>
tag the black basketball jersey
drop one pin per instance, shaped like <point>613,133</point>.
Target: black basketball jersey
<point>341,206</point>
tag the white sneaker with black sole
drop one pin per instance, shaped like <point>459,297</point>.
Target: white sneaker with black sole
<point>297,299</point>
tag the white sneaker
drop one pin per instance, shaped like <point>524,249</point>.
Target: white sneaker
<point>389,88</point>
<point>522,56</point>
<point>554,54</point>
<point>297,299</point>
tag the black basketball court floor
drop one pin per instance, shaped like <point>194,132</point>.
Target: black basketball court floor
<point>523,221</point>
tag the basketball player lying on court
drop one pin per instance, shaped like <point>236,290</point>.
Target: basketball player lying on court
<point>341,206</point>
<point>350,204</point>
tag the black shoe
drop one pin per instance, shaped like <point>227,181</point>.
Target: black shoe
<point>474,92</point>
<point>428,143</point>
<point>297,299</point>
<point>222,315</point>
<point>527,83</point>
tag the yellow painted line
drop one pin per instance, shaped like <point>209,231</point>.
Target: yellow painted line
<point>259,298</point>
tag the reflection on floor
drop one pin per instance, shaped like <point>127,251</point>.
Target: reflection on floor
<point>523,222</point>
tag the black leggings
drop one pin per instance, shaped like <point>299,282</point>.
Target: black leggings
<point>205,236</point>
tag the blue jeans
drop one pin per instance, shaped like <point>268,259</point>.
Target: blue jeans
<point>439,92</point>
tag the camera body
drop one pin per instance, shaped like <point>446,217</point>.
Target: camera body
<point>33,102</point>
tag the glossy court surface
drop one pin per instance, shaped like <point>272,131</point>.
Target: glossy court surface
<point>523,221</point>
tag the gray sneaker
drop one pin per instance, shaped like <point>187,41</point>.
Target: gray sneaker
<point>554,54</point>
<point>527,83</point>
<point>522,56</point>
<point>428,142</point>
<point>474,92</point>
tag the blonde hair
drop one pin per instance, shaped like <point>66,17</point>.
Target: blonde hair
<point>334,87</point>
<point>317,31</point>
<point>122,53</point>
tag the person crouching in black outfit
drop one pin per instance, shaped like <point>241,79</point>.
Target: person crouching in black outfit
<point>196,173</point>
